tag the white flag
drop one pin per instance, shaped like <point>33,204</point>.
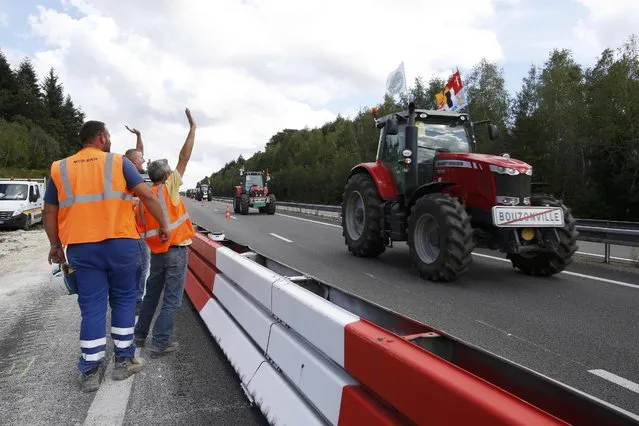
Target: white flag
<point>396,81</point>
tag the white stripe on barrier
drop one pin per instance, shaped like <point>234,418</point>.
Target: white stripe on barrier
<point>255,279</point>
<point>242,354</point>
<point>255,320</point>
<point>276,396</point>
<point>264,385</point>
<point>316,319</point>
<point>319,379</point>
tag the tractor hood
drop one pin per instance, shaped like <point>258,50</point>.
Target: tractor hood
<point>472,160</point>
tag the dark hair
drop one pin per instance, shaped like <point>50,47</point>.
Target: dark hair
<point>90,130</point>
<point>130,152</point>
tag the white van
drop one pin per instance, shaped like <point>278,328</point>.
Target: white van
<point>21,202</point>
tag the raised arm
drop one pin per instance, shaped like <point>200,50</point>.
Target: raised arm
<point>187,148</point>
<point>139,145</point>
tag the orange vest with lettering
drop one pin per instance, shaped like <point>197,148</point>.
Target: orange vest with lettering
<point>94,201</point>
<point>180,225</point>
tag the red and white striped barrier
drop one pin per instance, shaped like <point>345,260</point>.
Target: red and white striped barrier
<point>305,360</point>
<point>374,374</point>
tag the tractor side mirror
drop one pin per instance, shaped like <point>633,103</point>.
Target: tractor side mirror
<point>493,131</point>
<point>392,128</point>
<point>268,178</point>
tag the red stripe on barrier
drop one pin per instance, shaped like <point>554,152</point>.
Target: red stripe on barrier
<point>195,291</point>
<point>358,407</point>
<point>427,389</point>
<point>205,247</point>
<point>202,270</point>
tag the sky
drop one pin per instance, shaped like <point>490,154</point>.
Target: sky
<point>250,68</point>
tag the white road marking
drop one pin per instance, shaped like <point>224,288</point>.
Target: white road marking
<point>309,220</point>
<point>601,255</point>
<point>111,400</point>
<point>618,380</point>
<point>281,238</point>
<point>574,274</point>
<point>233,217</point>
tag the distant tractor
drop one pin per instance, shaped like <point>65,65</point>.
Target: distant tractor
<point>429,188</point>
<point>203,193</point>
<point>253,192</point>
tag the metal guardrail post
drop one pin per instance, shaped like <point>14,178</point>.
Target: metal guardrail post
<point>606,253</point>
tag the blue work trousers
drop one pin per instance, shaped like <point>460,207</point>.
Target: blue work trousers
<point>168,273</point>
<point>143,268</point>
<point>105,269</point>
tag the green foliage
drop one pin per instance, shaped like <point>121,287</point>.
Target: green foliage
<point>38,124</point>
<point>576,126</point>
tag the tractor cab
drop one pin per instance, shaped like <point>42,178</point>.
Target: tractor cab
<point>250,179</point>
<point>410,141</point>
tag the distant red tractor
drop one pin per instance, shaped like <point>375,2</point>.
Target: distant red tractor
<point>429,188</point>
<point>253,192</point>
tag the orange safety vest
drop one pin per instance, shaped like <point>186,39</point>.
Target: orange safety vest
<point>94,201</point>
<point>180,226</point>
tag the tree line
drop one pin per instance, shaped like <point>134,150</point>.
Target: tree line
<point>38,123</point>
<point>577,126</point>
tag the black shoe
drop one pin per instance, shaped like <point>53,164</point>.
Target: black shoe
<point>91,380</point>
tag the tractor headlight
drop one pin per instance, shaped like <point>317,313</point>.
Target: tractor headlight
<point>529,172</point>
<point>503,170</point>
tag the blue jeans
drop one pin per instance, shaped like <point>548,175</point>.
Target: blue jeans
<point>168,273</point>
<point>105,269</point>
<point>143,268</point>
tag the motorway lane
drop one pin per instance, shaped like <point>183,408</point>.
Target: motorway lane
<point>561,326</point>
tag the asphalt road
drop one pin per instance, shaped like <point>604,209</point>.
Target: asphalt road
<point>39,332</point>
<point>578,327</point>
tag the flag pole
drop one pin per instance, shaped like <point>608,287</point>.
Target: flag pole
<point>470,113</point>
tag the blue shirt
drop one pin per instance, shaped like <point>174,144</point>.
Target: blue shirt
<point>131,175</point>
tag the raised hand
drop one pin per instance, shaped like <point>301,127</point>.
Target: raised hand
<point>134,131</point>
<point>190,118</point>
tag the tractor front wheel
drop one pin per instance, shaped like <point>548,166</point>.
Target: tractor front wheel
<point>236,205</point>
<point>440,237</point>
<point>361,217</point>
<point>244,204</point>
<point>271,205</point>
<point>550,263</point>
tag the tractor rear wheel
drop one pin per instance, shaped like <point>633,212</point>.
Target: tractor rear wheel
<point>270,207</point>
<point>440,237</point>
<point>244,204</point>
<point>361,217</point>
<point>544,263</point>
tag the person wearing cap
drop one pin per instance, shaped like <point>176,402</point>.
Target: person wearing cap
<point>136,155</point>
<point>88,209</point>
<point>169,259</point>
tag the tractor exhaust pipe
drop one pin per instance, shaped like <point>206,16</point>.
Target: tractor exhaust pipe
<point>410,143</point>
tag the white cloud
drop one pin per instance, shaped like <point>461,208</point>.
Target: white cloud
<point>4,19</point>
<point>607,23</point>
<point>245,69</point>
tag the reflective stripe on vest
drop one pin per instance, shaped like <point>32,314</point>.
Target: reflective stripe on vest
<point>107,193</point>
<point>172,225</point>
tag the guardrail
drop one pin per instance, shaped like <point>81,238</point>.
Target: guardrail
<point>605,232</point>
<point>309,353</point>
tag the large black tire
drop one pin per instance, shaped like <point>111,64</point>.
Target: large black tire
<point>361,225</point>
<point>272,204</point>
<point>450,255</point>
<point>244,204</point>
<point>236,205</point>
<point>544,264</point>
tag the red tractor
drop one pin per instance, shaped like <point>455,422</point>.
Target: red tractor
<point>429,188</point>
<point>253,192</point>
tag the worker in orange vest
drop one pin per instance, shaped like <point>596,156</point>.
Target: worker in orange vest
<point>88,209</point>
<point>136,155</point>
<point>169,259</point>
